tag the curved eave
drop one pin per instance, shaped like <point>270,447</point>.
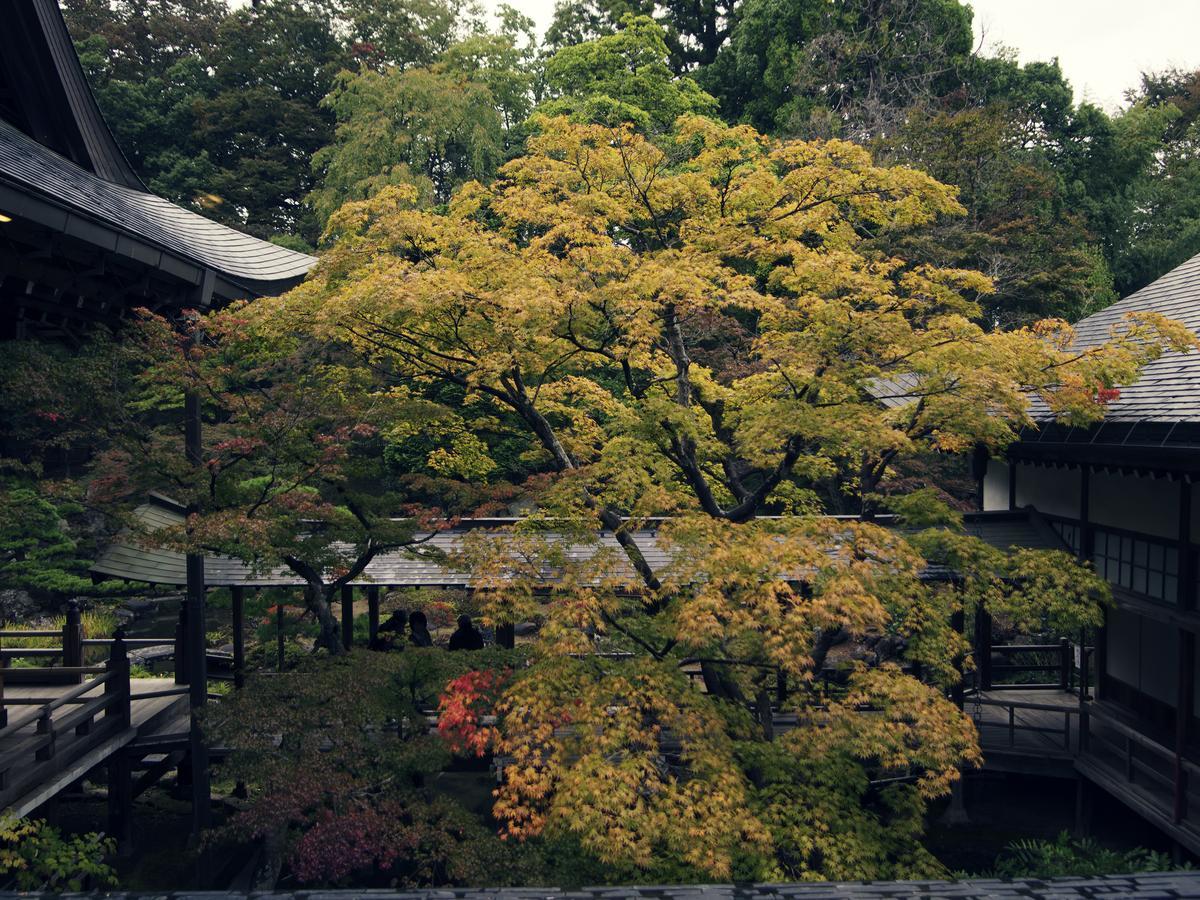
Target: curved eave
<point>48,190</point>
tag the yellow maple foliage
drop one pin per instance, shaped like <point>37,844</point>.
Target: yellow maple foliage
<point>693,327</point>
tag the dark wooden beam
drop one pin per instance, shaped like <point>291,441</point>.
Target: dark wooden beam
<point>347,616</point>
<point>373,612</point>
<point>238,595</point>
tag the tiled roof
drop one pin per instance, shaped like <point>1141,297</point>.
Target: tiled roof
<point>34,169</point>
<point>1151,886</point>
<point>1169,388</point>
<point>131,562</point>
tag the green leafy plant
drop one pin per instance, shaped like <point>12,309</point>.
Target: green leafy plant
<point>35,856</point>
<point>1068,856</point>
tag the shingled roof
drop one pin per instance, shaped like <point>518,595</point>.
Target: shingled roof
<point>1168,390</point>
<point>36,172</point>
<point>1156,885</point>
<point>62,173</point>
<point>128,560</point>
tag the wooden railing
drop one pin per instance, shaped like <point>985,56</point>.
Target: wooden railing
<point>71,651</point>
<point>95,708</point>
<point>1067,735</point>
<point>1055,675</point>
<point>1129,755</point>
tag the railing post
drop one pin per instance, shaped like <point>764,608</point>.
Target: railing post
<point>118,665</point>
<point>73,639</point>
<point>45,726</point>
<point>1064,664</point>
<point>181,660</point>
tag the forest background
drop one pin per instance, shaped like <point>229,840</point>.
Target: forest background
<point>269,116</point>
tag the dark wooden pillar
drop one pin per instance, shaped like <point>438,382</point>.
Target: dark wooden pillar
<point>506,636</point>
<point>1184,694</point>
<point>979,468</point>
<point>196,639</point>
<point>983,647</point>
<point>279,636</point>
<point>73,639</point>
<point>120,802</point>
<point>347,616</point>
<point>957,623</point>
<point>1012,483</point>
<point>181,632</point>
<point>238,594</point>
<point>373,612</point>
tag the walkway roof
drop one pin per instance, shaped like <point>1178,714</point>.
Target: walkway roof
<point>127,560</point>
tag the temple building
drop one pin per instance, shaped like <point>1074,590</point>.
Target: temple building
<point>1123,495</point>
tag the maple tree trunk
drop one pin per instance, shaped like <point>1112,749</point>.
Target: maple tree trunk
<point>317,600</point>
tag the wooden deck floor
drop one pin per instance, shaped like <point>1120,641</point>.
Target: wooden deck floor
<point>1039,725</point>
<point>30,784</point>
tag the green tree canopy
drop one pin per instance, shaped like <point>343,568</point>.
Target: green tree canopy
<point>622,77</point>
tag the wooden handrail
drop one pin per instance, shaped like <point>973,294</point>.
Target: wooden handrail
<point>80,690</point>
<point>1025,648</point>
<point>1024,704</point>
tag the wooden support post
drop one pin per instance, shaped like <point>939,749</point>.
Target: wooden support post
<point>1083,807</point>
<point>120,802</point>
<point>979,467</point>
<point>3,708</point>
<point>347,616</point>
<point>118,665</point>
<point>373,613</point>
<point>1065,660</point>
<point>279,636</point>
<point>983,647</point>
<point>196,637</point>
<point>1012,483</point>
<point>238,595</point>
<point>956,692</point>
<point>73,639</point>
<point>181,631</point>
<point>1184,701</point>
<point>506,636</point>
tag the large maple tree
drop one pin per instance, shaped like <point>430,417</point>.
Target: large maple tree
<point>693,334</point>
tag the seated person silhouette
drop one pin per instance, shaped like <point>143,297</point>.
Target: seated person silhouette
<point>467,637</point>
<point>419,635</point>
<point>395,623</point>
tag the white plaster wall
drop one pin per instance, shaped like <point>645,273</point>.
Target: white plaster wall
<point>1144,654</point>
<point>1148,505</point>
<point>995,485</point>
<point>1053,491</point>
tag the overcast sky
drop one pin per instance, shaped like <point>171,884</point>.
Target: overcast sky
<point>1103,45</point>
